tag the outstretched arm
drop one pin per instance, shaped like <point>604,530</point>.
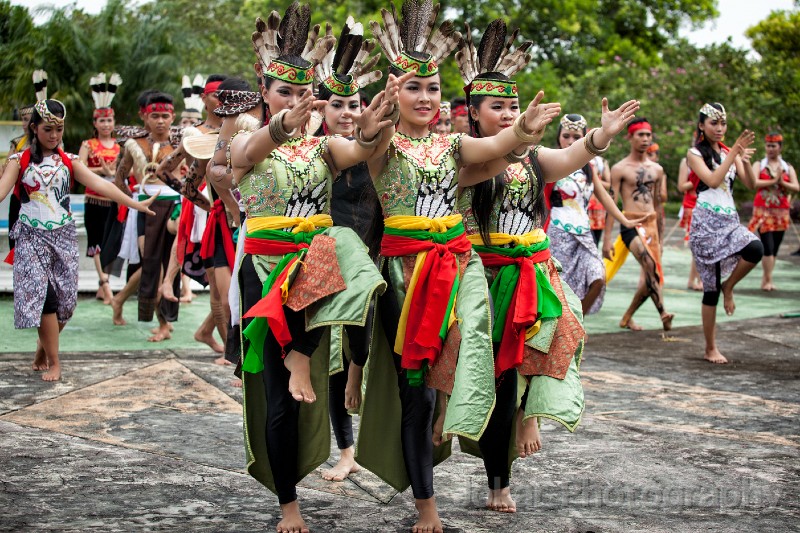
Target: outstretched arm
<point>191,185</point>
<point>370,124</point>
<point>95,182</point>
<point>9,178</point>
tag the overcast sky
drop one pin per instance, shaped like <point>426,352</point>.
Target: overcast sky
<point>735,17</point>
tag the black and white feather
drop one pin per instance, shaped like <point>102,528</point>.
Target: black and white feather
<point>104,88</point>
<point>350,57</point>
<point>493,53</point>
<point>40,84</point>
<point>191,91</point>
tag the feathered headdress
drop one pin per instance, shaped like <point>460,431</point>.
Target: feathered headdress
<point>346,70</point>
<point>40,85</point>
<point>191,91</point>
<point>104,88</point>
<point>290,36</point>
<point>415,33</point>
<point>493,55</point>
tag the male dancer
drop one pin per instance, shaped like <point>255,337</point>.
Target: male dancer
<point>142,155</point>
<point>636,180</point>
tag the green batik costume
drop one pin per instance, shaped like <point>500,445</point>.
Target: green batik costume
<point>417,190</point>
<point>554,346</point>
<point>286,198</point>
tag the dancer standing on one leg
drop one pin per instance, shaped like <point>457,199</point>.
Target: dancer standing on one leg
<point>341,76</point>
<point>46,252</point>
<point>636,180</point>
<point>99,154</point>
<point>721,246</point>
<point>504,218</point>
<point>293,256</point>
<point>777,180</point>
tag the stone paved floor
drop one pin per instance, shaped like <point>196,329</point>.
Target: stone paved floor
<point>148,437</point>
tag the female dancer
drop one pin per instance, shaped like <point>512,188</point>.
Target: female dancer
<point>341,76</point>
<point>434,279</point>
<point>569,229</point>
<point>504,219</point>
<point>776,181</point>
<point>720,244</point>
<point>285,177</point>
<point>46,252</point>
<point>99,154</point>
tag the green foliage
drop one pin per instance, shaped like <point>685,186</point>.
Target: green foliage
<point>584,50</point>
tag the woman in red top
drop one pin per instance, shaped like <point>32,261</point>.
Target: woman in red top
<point>100,155</point>
<point>777,179</point>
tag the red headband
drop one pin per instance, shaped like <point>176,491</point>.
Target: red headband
<point>777,138</point>
<point>644,125</point>
<point>159,107</point>
<point>103,112</point>
<point>211,87</point>
<point>459,111</point>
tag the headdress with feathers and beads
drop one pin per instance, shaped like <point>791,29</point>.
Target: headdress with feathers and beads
<point>40,84</point>
<point>191,91</point>
<point>493,55</point>
<point>346,69</point>
<point>289,36</point>
<point>104,88</point>
<point>415,33</point>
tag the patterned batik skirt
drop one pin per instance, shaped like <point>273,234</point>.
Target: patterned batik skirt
<point>581,262</point>
<point>716,238</point>
<point>43,257</point>
<point>767,219</point>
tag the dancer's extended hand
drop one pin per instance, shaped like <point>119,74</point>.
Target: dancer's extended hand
<point>371,120</point>
<point>743,142</point>
<point>613,122</point>
<point>300,113</point>
<point>538,115</point>
<point>144,205</point>
<point>394,84</point>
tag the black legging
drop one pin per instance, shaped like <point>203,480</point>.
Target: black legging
<point>596,234</point>
<point>282,410</point>
<point>417,404</point>
<point>772,242</point>
<point>494,443</point>
<point>359,340</point>
<point>752,253</point>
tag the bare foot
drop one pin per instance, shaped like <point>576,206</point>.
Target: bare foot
<point>500,500</point>
<point>187,297</point>
<point>236,383</point>
<point>346,466</point>
<point>713,356</point>
<point>727,300</point>
<point>221,361</point>
<point>40,359</point>
<point>352,390</point>
<point>666,320</point>
<point>429,521</point>
<point>208,339</point>
<point>628,323</point>
<point>53,374</point>
<point>156,329</point>
<point>116,309</point>
<point>696,286</point>
<point>162,334</point>
<point>166,291</point>
<point>300,381</point>
<point>528,439</point>
<point>767,287</point>
<point>291,521</point>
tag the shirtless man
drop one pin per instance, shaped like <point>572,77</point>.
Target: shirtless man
<point>636,180</point>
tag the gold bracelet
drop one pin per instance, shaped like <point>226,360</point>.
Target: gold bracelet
<point>588,144</point>
<point>394,116</point>
<point>511,157</point>
<point>523,136</point>
<point>357,134</point>
<point>277,131</point>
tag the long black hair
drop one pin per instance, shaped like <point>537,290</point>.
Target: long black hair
<point>703,146</point>
<point>486,193</point>
<point>55,108</point>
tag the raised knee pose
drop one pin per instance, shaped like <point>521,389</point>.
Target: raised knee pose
<point>298,274</point>
<point>46,251</point>
<point>537,323</point>
<point>637,180</point>
<point>721,246</point>
<point>777,180</point>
